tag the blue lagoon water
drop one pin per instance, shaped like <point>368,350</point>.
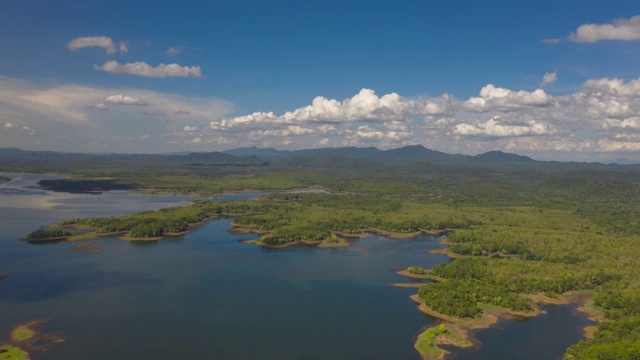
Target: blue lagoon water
<point>206,295</point>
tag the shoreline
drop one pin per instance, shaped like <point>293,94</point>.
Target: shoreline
<point>317,244</point>
<point>460,332</point>
<point>405,272</point>
<point>46,240</point>
<point>89,233</point>
<point>322,244</point>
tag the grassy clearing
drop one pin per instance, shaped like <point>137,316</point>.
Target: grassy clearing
<point>8,352</point>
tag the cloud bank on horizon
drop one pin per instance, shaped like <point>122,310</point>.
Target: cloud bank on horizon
<point>596,118</point>
<point>602,117</point>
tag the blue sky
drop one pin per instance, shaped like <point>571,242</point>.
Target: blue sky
<point>456,76</point>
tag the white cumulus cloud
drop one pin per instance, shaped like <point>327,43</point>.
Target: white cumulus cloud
<point>612,87</point>
<point>601,120</point>
<point>495,128</point>
<point>146,70</point>
<point>495,98</point>
<point>100,106</point>
<point>607,145</point>
<point>549,78</point>
<point>620,29</point>
<point>124,100</point>
<point>366,132</point>
<point>104,42</point>
<point>365,106</point>
<point>631,123</point>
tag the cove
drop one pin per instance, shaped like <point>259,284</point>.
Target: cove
<point>540,337</point>
<point>206,295</point>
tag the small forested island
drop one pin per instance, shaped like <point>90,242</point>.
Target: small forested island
<point>47,235</point>
<point>4,178</point>
<point>521,232</point>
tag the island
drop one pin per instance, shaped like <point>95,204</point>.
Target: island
<point>46,235</point>
<point>26,339</point>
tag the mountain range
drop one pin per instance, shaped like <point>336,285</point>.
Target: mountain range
<point>342,157</point>
<point>405,155</point>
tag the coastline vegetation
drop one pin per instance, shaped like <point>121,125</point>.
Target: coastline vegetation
<point>47,234</point>
<point>25,339</point>
<point>427,342</point>
<point>518,233</point>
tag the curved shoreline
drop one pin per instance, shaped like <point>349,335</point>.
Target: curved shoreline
<point>459,331</point>
<point>88,233</point>
<point>460,327</point>
<point>27,338</point>
<point>340,235</point>
<point>46,239</point>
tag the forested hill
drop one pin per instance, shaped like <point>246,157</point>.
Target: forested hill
<point>266,154</point>
<point>58,161</point>
<point>405,155</point>
<point>416,157</point>
<point>410,158</point>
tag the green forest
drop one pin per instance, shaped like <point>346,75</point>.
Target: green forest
<point>514,228</point>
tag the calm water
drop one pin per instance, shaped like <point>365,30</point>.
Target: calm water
<point>544,337</point>
<point>205,295</point>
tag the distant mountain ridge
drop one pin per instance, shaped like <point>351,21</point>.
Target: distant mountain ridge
<point>499,156</point>
<point>402,156</point>
<point>256,151</point>
<point>322,157</point>
<point>14,155</point>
